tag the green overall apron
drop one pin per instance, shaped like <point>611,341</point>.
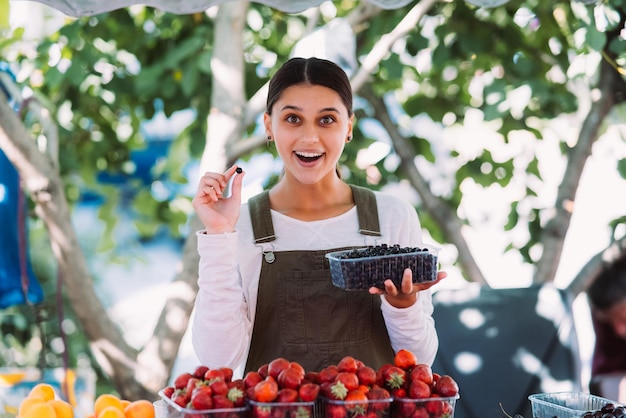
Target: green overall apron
<point>300,314</point>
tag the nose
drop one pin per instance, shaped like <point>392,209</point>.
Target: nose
<point>310,133</point>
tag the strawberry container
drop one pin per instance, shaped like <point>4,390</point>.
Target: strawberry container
<point>439,407</point>
<point>173,410</point>
<point>362,268</point>
<point>566,404</point>
<point>379,408</point>
<point>282,409</point>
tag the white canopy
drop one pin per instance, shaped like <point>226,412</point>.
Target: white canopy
<point>79,8</point>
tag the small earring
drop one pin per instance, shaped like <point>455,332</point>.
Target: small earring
<point>349,138</point>
<point>269,137</point>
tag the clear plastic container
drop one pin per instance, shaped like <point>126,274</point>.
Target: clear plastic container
<point>379,408</point>
<point>430,407</point>
<point>282,409</point>
<point>362,272</point>
<point>566,404</point>
<point>173,410</point>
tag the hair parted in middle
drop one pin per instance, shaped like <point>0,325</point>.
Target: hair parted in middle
<point>313,71</point>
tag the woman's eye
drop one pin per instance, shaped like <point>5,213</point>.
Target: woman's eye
<point>325,120</point>
<point>292,119</point>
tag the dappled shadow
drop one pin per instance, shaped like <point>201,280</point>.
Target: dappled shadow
<point>502,345</point>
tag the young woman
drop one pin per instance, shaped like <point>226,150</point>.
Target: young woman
<point>265,286</point>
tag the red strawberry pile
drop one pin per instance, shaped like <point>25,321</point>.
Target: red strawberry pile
<point>351,389</point>
<point>281,388</point>
<point>205,389</point>
<point>348,389</point>
<point>417,391</point>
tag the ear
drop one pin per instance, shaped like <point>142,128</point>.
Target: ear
<point>350,126</point>
<point>267,122</point>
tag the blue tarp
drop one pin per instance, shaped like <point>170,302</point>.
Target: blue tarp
<point>11,222</point>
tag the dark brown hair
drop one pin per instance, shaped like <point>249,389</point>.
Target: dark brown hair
<point>609,287</point>
<point>313,71</point>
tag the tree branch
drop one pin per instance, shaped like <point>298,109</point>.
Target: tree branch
<point>436,207</point>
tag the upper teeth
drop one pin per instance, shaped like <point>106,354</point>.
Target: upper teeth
<point>309,154</point>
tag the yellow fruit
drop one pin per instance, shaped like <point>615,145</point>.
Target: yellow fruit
<point>107,400</point>
<point>45,390</point>
<point>28,402</point>
<point>110,412</point>
<point>62,409</point>
<point>139,409</point>
<point>125,403</point>
<point>39,410</point>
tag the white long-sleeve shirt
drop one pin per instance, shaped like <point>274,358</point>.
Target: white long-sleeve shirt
<point>230,266</point>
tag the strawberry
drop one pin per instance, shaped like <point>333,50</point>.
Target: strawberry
<point>420,412</point>
<point>336,411</point>
<point>328,374</point>
<point>446,386</point>
<point>263,371</point>
<point>237,396</point>
<point>422,372</point>
<point>227,373</point>
<point>419,390</point>
<point>347,364</point>
<point>276,366</point>
<point>199,372</point>
<point>192,383</point>
<point>394,377</point>
<point>290,377</point>
<point>168,391</point>
<point>180,398</point>
<point>336,390</point>
<point>405,409</point>
<point>266,391</point>
<point>287,395</point>
<point>222,402</point>
<point>356,402</point>
<point>252,378</point>
<point>405,359</point>
<point>202,398</point>
<point>380,398</point>
<point>349,380</point>
<point>219,387</point>
<point>435,408</point>
<point>311,376</point>
<point>297,366</point>
<point>308,392</point>
<point>181,380</point>
<point>366,375</point>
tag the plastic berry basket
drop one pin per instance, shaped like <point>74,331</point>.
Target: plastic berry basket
<point>173,410</point>
<point>282,409</point>
<point>378,408</point>
<point>357,270</point>
<point>441,407</point>
<point>566,404</point>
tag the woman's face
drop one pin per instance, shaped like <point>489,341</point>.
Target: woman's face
<point>310,125</point>
<point>616,316</point>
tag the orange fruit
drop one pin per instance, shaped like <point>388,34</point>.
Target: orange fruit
<point>62,409</point>
<point>45,390</point>
<point>125,403</point>
<point>139,409</point>
<point>28,402</point>
<point>107,400</point>
<point>110,412</point>
<point>39,410</point>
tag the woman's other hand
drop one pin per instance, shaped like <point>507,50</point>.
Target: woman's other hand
<point>407,294</point>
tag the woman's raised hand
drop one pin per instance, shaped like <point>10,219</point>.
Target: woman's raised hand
<point>218,213</point>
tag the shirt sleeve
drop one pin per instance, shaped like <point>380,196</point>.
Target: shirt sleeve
<point>413,328</point>
<point>221,326</point>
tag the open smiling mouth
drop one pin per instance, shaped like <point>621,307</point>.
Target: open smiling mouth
<point>309,157</point>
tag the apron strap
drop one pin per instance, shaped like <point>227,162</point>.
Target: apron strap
<point>367,210</point>
<point>364,199</point>
<point>261,217</point>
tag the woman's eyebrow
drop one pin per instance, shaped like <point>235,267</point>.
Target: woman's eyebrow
<point>293,107</point>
